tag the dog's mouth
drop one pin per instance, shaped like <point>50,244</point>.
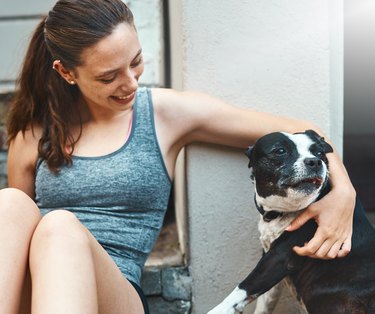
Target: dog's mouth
<point>312,182</point>
<point>316,181</point>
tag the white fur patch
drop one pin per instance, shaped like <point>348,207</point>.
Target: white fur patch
<point>270,231</point>
<point>293,201</point>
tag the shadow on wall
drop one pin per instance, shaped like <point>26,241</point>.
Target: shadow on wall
<point>359,158</point>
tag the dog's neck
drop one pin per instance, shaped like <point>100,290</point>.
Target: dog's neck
<point>269,214</point>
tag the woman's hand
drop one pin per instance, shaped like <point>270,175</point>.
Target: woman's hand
<point>334,216</point>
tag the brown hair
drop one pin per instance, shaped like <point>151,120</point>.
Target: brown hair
<point>45,99</point>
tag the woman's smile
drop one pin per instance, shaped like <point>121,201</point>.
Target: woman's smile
<point>124,99</point>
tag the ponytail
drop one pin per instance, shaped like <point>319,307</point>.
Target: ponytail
<point>39,100</point>
<point>30,98</point>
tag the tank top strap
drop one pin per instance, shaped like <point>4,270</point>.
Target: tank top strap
<point>143,116</point>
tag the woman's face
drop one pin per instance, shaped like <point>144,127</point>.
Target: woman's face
<point>108,78</point>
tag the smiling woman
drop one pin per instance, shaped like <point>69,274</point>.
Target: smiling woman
<point>108,74</point>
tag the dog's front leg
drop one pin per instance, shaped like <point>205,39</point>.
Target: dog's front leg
<point>272,268</point>
<point>275,265</point>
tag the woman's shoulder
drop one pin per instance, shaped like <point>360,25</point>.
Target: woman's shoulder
<point>187,114</point>
<point>173,107</point>
<point>24,147</point>
<point>174,103</point>
<point>29,137</point>
<point>22,159</point>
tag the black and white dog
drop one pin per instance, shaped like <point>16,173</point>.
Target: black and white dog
<point>290,171</point>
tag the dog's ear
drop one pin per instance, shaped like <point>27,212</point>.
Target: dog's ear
<point>319,139</point>
<point>248,154</point>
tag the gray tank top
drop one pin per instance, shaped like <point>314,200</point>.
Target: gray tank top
<point>120,197</point>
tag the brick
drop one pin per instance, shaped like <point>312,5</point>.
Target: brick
<point>151,281</point>
<point>3,170</point>
<point>176,283</point>
<point>3,140</point>
<point>160,306</point>
<point>4,100</point>
<point>3,182</point>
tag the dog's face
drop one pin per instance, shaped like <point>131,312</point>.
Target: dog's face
<point>289,170</point>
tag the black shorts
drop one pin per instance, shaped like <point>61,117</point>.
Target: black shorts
<point>142,296</point>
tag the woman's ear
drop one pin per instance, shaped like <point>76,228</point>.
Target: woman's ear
<point>67,75</point>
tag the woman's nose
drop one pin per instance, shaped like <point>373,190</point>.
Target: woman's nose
<point>132,79</point>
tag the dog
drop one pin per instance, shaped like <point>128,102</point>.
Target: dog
<point>290,171</point>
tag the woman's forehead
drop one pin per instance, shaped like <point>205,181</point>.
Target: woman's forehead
<point>118,48</point>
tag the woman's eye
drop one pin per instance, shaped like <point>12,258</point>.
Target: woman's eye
<point>137,62</point>
<point>107,81</point>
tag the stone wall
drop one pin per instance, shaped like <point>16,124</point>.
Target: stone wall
<point>168,290</point>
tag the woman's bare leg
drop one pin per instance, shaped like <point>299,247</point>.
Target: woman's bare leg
<point>62,267</point>
<point>72,273</point>
<point>18,218</point>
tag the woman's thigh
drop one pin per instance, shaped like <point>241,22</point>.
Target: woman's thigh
<point>115,295</point>
<point>19,217</point>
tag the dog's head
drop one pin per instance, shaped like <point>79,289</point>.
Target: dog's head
<point>289,170</point>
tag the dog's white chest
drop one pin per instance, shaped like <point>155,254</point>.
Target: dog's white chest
<point>270,231</point>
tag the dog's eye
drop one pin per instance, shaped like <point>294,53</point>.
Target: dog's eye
<point>279,151</point>
<point>319,154</point>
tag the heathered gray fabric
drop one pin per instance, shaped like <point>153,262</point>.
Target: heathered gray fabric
<point>120,197</point>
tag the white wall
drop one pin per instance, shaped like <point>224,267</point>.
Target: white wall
<point>283,57</point>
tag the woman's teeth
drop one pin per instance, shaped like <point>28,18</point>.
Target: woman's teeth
<point>124,97</point>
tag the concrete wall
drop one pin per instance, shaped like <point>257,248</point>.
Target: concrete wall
<point>283,57</point>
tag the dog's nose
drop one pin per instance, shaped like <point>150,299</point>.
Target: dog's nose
<point>313,163</point>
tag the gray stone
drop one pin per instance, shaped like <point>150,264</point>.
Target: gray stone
<point>3,182</point>
<point>160,306</point>
<point>176,283</point>
<point>3,170</point>
<point>151,281</point>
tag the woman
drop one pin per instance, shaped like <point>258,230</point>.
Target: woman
<point>91,159</point>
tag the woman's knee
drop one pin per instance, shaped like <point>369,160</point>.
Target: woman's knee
<point>17,206</point>
<point>60,227</point>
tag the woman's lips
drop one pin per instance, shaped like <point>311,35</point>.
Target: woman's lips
<point>124,99</point>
